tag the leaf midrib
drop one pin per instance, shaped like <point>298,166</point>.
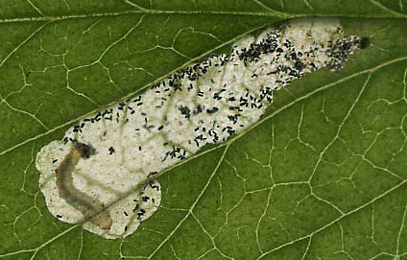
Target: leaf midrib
<point>304,97</point>
<point>270,13</point>
<point>141,89</point>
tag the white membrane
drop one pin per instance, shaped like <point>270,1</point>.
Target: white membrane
<point>206,103</point>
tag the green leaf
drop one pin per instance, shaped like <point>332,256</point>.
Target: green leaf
<point>321,176</point>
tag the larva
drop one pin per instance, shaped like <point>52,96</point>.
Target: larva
<point>91,207</point>
<point>205,103</point>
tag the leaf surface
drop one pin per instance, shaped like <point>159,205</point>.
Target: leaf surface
<point>322,175</point>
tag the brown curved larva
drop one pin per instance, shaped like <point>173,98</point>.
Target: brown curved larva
<point>90,207</point>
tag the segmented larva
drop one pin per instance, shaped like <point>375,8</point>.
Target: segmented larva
<point>91,207</point>
<point>206,103</point>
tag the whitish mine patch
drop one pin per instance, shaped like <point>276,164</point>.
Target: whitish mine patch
<point>101,174</point>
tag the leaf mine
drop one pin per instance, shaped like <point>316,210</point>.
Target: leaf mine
<point>205,103</point>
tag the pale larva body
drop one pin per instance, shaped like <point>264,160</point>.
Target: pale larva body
<point>91,207</point>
